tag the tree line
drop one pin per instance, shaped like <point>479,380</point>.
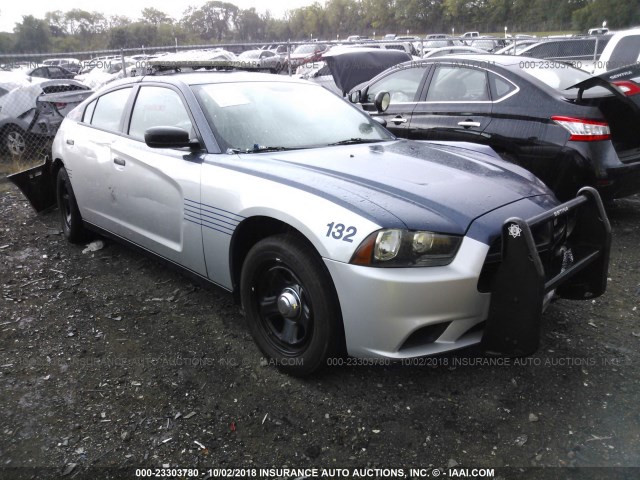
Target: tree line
<point>217,21</point>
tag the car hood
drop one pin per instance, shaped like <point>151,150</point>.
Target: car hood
<point>353,66</point>
<point>402,184</point>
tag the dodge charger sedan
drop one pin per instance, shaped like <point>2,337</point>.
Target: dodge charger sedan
<point>335,236</point>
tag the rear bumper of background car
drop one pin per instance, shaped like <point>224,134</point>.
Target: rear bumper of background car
<point>400,313</point>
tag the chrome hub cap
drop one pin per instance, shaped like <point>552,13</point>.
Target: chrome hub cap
<point>289,303</point>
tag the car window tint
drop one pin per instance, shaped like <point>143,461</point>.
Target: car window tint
<point>626,52</point>
<point>458,84</point>
<point>500,86</point>
<point>158,107</point>
<point>108,111</point>
<point>543,50</point>
<point>402,85</point>
<point>88,113</point>
<point>40,72</point>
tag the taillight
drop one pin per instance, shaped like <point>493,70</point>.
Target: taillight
<point>628,88</point>
<point>584,130</point>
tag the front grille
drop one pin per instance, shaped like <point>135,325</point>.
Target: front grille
<point>549,238</point>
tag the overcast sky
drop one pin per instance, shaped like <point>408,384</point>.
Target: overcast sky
<point>11,11</point>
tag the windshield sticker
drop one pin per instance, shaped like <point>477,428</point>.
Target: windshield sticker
<point>229,98</point>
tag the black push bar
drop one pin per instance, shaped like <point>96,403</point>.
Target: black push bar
<point>520,284</point>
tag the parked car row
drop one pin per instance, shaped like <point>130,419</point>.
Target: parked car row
<point>567,127</point>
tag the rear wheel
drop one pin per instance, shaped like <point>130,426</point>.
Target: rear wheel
<point>290,304</point>
<point>14,141</point>
<point>70,218</point>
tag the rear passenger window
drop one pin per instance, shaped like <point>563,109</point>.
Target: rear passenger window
<point>458,84</point>
<point>88,113</point>
<point>108,110</point>
<point>500,87</point>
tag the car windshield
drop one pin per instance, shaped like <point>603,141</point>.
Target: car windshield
<point>436,44</point>
<point>253,116</point>
<point>250,54</point>
<point>305,49</point>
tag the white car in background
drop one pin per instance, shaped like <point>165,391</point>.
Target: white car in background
<point>623,49</point>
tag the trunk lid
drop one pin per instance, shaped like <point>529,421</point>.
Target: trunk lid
<point>616,94</point>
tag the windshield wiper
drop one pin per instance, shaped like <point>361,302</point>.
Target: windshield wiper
<point>354,141</point>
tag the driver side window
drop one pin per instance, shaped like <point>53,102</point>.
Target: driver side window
<point>402,85</point>
<point>158,107</point>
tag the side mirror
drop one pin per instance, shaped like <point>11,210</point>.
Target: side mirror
<point>382,101</point>
<point>167,137</point>
<point>355,97</point>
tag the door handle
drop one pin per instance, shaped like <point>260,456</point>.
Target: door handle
<point>70,142</point>
<point>399,119</point>
<point>119,161</point>
<point>468,123</point>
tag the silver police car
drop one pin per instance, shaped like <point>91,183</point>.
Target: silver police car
<point>335,236</point>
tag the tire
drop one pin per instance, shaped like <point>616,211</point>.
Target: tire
<point>290,304</point>
<point>70,217</point>
<point>14,141</point>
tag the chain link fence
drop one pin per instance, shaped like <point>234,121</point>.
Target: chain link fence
<point>38,90</point>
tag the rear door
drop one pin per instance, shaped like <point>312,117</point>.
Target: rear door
<point>455,106</point>
<point>88,157</point>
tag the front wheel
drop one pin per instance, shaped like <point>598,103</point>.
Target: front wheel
<point>291,305</point>
<point>70,218</point>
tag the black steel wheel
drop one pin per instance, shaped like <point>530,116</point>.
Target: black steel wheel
<point>70,218</point>
<point>291,305</point>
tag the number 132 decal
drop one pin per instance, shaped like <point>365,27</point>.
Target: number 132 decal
<point>340,232</point>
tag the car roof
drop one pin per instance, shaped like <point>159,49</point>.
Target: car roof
<point>485,59</point>
<point>206,77</point>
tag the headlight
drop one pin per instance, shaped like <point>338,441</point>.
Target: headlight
<point>405,248</point>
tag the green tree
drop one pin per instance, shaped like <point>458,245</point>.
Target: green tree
<point>249,25</point>
<point>155,16</point>
<point>211,21</point>
<point>618,14</point>
<point>343,17</point>
<point>32,35</point>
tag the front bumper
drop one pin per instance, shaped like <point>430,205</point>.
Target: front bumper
<point>383,307</point>
<point>400,313</point>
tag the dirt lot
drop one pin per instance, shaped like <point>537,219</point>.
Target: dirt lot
<point>108,359</point>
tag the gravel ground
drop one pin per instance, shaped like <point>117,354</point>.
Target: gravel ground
<point>108,359</point>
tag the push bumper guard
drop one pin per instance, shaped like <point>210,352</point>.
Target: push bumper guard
<point>520,284</point>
